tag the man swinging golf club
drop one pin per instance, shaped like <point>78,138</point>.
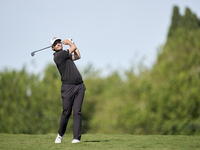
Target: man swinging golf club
<point>72,89</point>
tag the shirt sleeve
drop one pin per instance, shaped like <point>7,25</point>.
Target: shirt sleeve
<point>65,54</point>
<point>69,55</point>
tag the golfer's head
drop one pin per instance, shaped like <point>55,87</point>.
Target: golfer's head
<point>56,44</point>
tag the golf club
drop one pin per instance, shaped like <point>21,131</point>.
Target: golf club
<point>33,53</point>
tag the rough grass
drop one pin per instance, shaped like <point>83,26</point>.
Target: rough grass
<point>99,141</point>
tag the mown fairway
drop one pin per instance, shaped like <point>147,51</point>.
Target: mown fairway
<point>99,141</point>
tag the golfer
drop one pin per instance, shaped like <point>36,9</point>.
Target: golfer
<point>72,89</point>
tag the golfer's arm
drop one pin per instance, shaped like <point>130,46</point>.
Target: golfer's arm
<point>72,48</point>
<point>76,55</point>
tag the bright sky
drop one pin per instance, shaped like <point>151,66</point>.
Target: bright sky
<point>110,34</point>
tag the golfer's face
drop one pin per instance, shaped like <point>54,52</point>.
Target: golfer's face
<point>58,46</point>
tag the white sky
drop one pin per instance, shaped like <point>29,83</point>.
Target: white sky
<point>110,34</point>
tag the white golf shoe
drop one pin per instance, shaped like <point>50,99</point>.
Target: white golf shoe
<point>58,139</point>
<point>75,141</point>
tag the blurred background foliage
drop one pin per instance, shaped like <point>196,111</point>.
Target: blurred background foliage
<point>162,100</point>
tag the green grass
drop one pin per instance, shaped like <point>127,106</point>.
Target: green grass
<point>99,141</point>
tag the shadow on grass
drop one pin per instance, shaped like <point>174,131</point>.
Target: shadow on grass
<point>97,141</point>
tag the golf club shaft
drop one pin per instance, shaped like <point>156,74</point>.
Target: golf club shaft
<point>42,49</point>
<point>33,53</point>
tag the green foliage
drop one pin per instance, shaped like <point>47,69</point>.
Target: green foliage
<point>188,22</point>
<point>175,79</point>
<point>163,100</point>
<point>175,21</point>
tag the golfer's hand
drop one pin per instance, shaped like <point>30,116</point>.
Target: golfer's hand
<point>72,45</point>
<point>66,42</point>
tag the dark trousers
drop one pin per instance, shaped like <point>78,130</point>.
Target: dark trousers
<point>72,97</point>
